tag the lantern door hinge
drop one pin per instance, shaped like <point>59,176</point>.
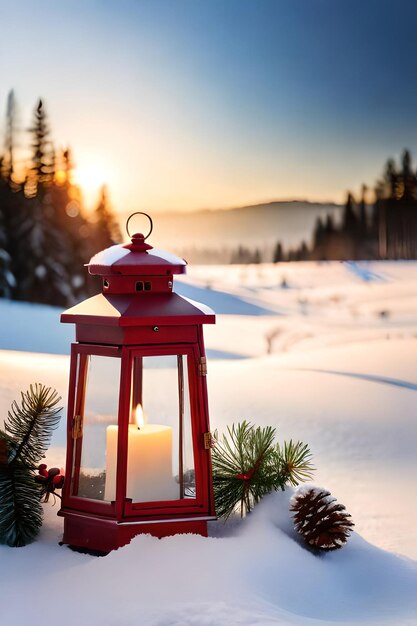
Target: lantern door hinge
<point>202,366</point>
<point>208,441</point>
<point>77,427</point>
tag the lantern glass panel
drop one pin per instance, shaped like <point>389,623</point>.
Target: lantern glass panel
<point>99,376</point>
<point>160,447</point>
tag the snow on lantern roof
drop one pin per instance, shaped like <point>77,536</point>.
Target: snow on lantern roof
<point>135,258</point>
<point>137,290</point>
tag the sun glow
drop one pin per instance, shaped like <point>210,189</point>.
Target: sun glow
<point>90,178</point>
<point>60,177</point>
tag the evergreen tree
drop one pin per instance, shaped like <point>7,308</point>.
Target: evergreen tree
<point>67,165</point>
<point>350,220</point>
<point>406,163</point>
<point>329,226</point>
<point>106,229</point>
<point>319,233</point>
<point>73,225</point>
<point>10,212</point>
<point>41,173</point>
<point>278,253</point>
<point>45,278</point>
<point>391,179</point>
<point>7,168</point>
<point>239,256</point>
<point>408,182</point>
<point>44,237</point>
<point>7,280</point>
<point>304,252</point>
<point>363,220</point>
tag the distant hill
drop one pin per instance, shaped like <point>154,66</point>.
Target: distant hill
<point>258,225</point>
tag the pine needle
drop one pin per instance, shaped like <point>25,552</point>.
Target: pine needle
<point>295,462</point>
<point>20,506</point>
<point>247,465</point>
<point>31,425</point>
<point>27,433</point>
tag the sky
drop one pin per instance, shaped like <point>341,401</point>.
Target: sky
<point>188,104</point>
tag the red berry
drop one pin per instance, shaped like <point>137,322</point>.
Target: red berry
<point>54,471</point>
<point>58,481</point>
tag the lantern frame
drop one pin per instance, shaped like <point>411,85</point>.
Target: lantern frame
<point>168,326</point>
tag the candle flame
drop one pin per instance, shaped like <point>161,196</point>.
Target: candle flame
<point>139,416</point>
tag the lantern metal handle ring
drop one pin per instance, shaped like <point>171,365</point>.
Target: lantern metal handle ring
<point>139,213</point>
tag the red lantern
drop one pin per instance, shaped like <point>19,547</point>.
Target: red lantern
<point>138,451</point>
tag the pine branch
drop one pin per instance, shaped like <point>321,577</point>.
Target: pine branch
<point>27,433</point>
<point>247,465</point>
<point>294,463</point>
<point>31,425</point>
<point>239,464</point>
<point>20,506</point>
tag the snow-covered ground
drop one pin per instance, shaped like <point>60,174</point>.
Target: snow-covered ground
<point>324,352</point>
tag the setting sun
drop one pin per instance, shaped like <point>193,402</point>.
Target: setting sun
<point>90,178</point>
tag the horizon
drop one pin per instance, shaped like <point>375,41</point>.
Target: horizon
<point>252,205</point>
<point>180,106</point>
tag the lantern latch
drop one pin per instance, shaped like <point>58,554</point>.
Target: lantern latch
<point>202,366</point>
<point>208,441</point>
<point>77,427</point>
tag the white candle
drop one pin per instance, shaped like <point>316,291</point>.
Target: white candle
<point>149,463</point>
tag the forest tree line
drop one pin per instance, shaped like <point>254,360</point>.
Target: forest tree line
<point>385,229</point>
<point>45,235</point>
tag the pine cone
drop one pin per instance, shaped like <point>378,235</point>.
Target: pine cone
<point>323,523</point>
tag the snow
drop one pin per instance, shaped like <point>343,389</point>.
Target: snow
<point>109,256</point>
<point>329,360</point>
<point>167,256</point>
<point>115,253</point>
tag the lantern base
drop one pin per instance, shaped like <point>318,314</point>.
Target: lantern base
<point>103,535</point>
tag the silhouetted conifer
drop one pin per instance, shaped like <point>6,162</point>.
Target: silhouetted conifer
<point>304,252</point>
<point>406,163</point>
<point>245,256</point>
<point>7,280</point>
<point>106,230</point>
<point>363,220</point>
<point>350,220</point>
<point>391,179</point>
<point>44,237</point>
<point>329,226</point>
<point>12,209</point>
<point>7,167</point>
<point>278,253</point>
<point>45,278</point>
<point>319,233</point>
<point>41,172</point>
<point>395,211</point>
<point>70,220</point>
<point>407,178</point>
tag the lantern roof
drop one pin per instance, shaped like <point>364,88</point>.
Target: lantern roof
<point>135,258</point>
<point>139,310</point>
<point>137,289</point>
